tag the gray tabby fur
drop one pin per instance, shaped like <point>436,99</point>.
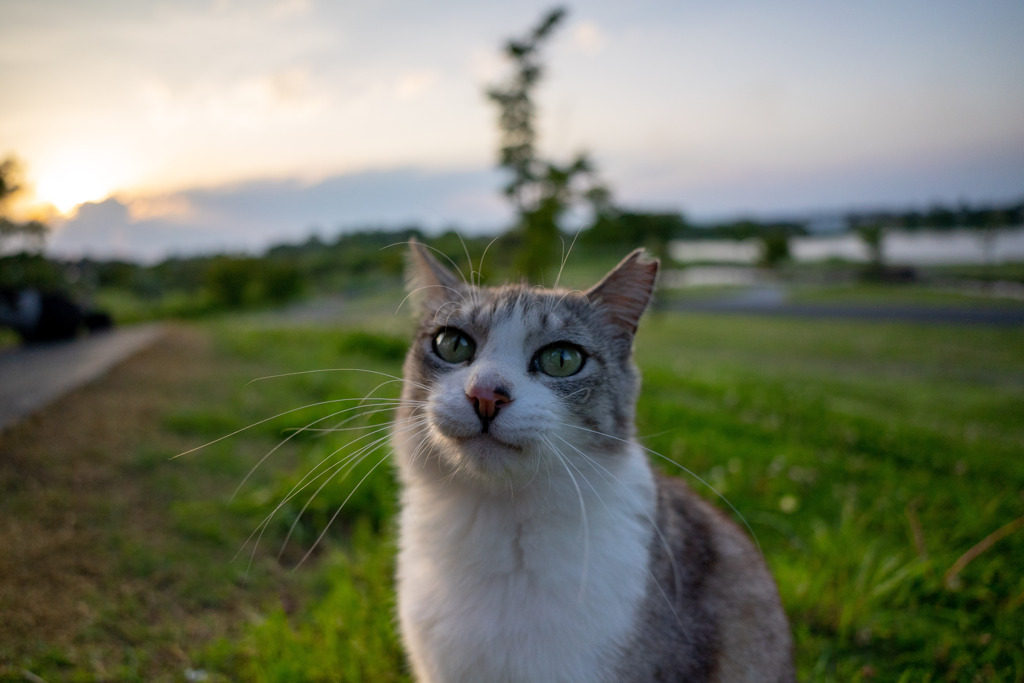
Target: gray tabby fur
<point>708,610</point>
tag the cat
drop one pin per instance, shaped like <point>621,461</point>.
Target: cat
<point>536,543</point>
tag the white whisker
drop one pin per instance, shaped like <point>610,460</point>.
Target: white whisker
<point>264,421</point>
<point>684,469</point>
<point>338,511</point>
<point>286,440</point>
<point>677,579</point>
<point>351,461</point>
<point>469,259</point>
<point>583,517</point>
<point>483,256</point>
<point>565,255</point>
<point>425,287</point>
<point>392,378</point>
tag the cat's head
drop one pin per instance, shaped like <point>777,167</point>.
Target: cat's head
<point>502,381</point>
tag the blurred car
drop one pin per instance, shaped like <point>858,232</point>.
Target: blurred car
<point>41,316</point>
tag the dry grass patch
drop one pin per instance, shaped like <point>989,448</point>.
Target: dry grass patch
<point>101,575</point>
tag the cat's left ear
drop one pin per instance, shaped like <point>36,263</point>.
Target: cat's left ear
<point>426,279</point>
<point>624,292</point>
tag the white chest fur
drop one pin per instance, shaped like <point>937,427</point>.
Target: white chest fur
<point>538,585</point>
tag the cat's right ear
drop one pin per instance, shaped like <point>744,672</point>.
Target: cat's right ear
<point>427,281</point>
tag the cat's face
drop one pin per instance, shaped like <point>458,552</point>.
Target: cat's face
<point>512,381</point>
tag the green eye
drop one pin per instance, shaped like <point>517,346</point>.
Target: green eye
<point>454,346</point>
<point>560,360</point>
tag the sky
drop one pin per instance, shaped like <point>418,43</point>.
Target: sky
<point>160,128</point>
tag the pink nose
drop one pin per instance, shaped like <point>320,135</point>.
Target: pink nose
<point>486,401</point>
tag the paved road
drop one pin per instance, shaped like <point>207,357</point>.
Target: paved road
<point>31,377</point>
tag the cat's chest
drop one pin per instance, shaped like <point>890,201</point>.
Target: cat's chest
<point>523,591</point>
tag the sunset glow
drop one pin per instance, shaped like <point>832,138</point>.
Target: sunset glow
<point>71,183</point>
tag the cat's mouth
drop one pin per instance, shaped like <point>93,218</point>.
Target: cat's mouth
<point>485,439</point>
<point>477,443</point>
<point>480,440</point>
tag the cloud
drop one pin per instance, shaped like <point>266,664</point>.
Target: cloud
<point>106,230</point>
<point>255,101</point>
<point>174,206</point>
<point>290,8</point>
<point>412,83</point>
<point>588,38</point>
<point>102,225</point>
<point>254,215</point>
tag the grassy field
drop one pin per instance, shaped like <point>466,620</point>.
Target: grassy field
<point>879,466</point>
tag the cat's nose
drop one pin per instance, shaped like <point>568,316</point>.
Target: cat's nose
<point>487,401</point>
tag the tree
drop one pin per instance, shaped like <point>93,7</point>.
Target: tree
<point>873,235</point>
<point>622,229</point>
<point>774,247</point>
<point>9,169</point>
<point>231,281</point>
<point>32,234</point>
<point>995,221</point>
<point>541,191</point>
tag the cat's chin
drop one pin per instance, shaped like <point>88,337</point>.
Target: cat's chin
<point>485,454</point>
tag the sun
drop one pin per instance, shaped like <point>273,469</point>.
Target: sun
<point>71,182</point>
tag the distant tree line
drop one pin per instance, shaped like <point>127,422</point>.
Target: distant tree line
<point>943,217</point>
<point>366,259</point>
<point>625,226</point>
<point>190,286</point>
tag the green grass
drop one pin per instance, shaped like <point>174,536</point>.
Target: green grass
<point>8,338</point>
<point>1011,272</point>
<point>866,459</point>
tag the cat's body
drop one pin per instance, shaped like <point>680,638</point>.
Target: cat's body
<point>536,542</point>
